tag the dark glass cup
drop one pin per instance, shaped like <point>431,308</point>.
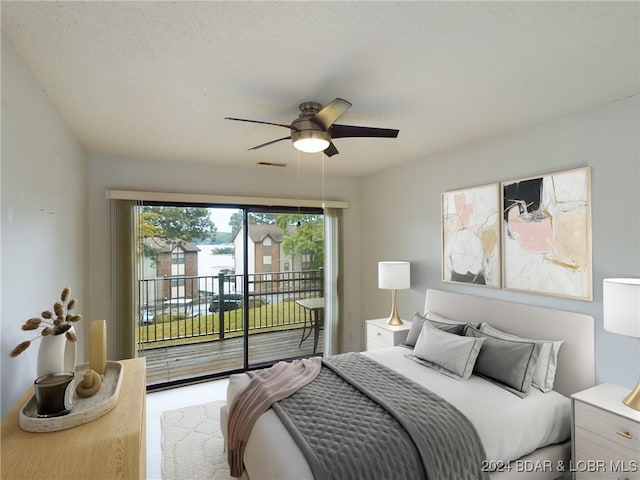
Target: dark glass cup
<point>54,394</point>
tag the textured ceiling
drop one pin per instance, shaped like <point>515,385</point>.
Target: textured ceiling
<point>156,79</point>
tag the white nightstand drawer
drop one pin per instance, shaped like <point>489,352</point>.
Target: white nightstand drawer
<point>373,345</point>
<point>619,430</point>
<point>382,335</point>
<point>606,435</point>
<point>599,458</point>
<point>595,475</point>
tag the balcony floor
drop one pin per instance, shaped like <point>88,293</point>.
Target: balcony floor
<point>189,361</point>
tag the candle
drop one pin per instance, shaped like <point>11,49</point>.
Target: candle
<point>98,349</point>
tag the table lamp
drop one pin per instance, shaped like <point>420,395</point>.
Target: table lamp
<point>621,309</point>
<point>394,276</point>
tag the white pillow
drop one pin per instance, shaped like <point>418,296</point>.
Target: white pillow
<point>452,352</point>
<point>545,371</point>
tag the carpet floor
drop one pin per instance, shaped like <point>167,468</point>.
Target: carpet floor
<point>192,444</point>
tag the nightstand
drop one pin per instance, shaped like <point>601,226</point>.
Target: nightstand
<point>382,335</point>
<point>606,435</point>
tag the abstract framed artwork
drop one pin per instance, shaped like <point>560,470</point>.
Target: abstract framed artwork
<point>546,234</point>
<point>471,236</point>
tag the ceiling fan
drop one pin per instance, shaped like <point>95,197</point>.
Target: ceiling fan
<point>314,128</point>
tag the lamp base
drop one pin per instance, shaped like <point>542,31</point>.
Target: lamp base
<point>633,399</point>
<point>394,318</point>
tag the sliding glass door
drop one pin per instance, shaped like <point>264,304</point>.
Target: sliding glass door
<point>284,268</point>
<point>222,289</point>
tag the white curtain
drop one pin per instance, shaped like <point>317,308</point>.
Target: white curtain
<point>332,280</point>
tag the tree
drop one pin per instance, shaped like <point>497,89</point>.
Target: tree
<point>176,224</point>
<point>149,222</point>
<point>263,218</point>
<point>235,222</point>
<point>308,238</point>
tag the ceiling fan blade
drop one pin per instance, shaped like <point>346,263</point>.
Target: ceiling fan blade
<point>344,131</point>
<point>331,150</point>
<point>331,112</point>
<point>258,121</point>
<point>269,143</point>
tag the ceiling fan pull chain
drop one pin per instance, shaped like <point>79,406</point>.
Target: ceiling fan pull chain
<point>299,178</point>
<point>323,157</point>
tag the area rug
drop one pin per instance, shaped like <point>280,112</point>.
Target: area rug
<point>192,444</point>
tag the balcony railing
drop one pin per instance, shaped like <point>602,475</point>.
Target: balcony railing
<point>186,309</point>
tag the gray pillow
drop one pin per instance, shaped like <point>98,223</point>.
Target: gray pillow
<point>509,362</point>
<point>545,372</point>
<point>454,353</point>
<point>437,321</point>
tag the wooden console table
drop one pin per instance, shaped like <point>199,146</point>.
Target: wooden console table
<point>110,447</point>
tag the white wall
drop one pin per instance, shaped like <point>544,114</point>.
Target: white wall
<point>44,221</point>
<point>400,214</point>
<point>163,176</point>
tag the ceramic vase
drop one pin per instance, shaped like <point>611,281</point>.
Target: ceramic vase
<point>56,354</point>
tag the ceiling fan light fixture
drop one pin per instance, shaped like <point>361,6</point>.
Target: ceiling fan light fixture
<point>311,141</point>
<point>313,130</point>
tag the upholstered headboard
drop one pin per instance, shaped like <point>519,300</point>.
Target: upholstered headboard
<point>575,369</point>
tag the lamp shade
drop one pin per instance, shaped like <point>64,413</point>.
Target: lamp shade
<point>621,306</point>
<point>394,275</point>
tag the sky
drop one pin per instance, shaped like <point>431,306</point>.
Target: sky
<point>221,216</point>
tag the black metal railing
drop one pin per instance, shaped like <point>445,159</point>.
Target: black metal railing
<point>184,309</point>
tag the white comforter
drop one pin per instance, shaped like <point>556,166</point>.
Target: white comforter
<point>508,425</point>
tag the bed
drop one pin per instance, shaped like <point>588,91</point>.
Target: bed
<point>539,446</point>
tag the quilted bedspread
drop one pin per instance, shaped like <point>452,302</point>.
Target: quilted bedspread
<point>361,420</point>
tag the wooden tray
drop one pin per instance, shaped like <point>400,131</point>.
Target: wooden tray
<point>83,410</point>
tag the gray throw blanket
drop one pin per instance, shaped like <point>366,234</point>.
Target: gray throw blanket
<point>361,420</point>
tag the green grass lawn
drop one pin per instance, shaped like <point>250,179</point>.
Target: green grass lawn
<point>172,330</point>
